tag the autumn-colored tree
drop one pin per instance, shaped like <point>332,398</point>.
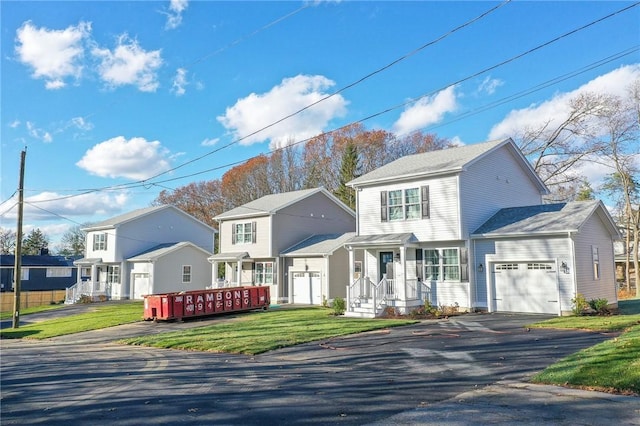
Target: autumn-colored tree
<point>246,182</point>
<point>202,200</point>
<point>285,173</point>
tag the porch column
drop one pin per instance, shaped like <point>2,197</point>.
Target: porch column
<point>351,266</point>
<point>401,275</point>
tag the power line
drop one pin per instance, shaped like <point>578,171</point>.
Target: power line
<point>147,182</point>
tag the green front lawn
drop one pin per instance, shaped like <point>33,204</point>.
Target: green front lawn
<point>103,316</point>
<point>611,366</point>
<point>26,311</point>
<point>264,331</point>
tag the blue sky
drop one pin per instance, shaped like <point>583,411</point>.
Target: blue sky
<point>106,95</point>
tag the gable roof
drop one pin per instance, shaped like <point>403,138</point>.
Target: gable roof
<point>137,214</point>
<point>545,219</point>
<point>318,245</point>
<point>444,161</point>
<point>271,204</point>
<point>160,250</point>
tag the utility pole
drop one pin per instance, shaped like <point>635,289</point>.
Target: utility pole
<point>17,271</point>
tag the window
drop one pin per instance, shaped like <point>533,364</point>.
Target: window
<point>186,273</point>
<point>446,264</point>
<point>431,265</point>
<point>243,233</point>
<point>264,273</point>
<point>99,241</point>
<point>113,274</point>
<point>58,272</point>
<point>85,271</point>
<point>357,269</point>
<point>24,274</point>
<point>596,262</point>
<point>407,204</point>
<point>450,265</point>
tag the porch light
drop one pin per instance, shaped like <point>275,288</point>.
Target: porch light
<point>565,267</point>
<point>397,257</point>
<point>480,267</point>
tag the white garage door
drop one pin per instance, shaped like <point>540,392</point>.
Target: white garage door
<point>306,288</point>
<point>141,285</point>
<point>525,287</point>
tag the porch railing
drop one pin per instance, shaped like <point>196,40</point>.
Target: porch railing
<point>418,290</point>
<point>84,288</point>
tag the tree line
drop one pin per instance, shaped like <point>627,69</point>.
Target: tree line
<point>601,129</point>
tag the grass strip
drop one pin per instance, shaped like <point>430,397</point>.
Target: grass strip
<point>98,318</point>
<point>260,332</point>
<point>32,310</point>
<point>611,366</point>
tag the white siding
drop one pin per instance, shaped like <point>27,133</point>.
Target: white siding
<point>108,255</point>
<point>443,223</point>
<point>593,234</point>
<point>555,249</point>
<point>491,183</point>
<point>450,294</point>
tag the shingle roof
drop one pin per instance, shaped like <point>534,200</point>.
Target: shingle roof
<point>429,163</point>
<point>544,218</point>
<point>125,217</point>
<point>382,239</point>
<point>161,250</point>
<point>319,245</point>
<point>36,260</point>
<point>270,204</point>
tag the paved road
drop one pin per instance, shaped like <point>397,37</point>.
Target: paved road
<point>434,372</point>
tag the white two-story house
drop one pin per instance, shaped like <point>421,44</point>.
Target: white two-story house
<point>425,235</point>
<point>292,242</point>
<point>157,249</point>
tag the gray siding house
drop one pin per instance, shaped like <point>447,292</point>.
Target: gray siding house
<point>424,232</point>
<point>257,237</point>
<point>111,244</point>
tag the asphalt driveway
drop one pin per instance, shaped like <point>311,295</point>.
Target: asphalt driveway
<point>434,372</point>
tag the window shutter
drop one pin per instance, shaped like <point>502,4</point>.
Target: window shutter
<point>233,234</point>
<point>106,237</point>
<point>383,206</point>
<point>464,264</point>
<point>425,202</point>
<point>253,231</point>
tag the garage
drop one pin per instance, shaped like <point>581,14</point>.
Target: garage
<point>306,288</point>
<point>141,285</point>
<point>528,287</point>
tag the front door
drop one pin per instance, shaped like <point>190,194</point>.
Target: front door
<point>386,264</point>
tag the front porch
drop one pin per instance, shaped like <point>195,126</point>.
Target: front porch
<point>368,299</point>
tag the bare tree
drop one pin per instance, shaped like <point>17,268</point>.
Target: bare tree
<point>7,241</point>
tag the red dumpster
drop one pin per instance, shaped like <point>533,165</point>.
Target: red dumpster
<point>198,303</point>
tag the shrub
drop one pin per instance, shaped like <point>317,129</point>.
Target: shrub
<point>599,305</point>
<point>339,306</point>
<point>579,304</point>
<point>85,298</point>
<point>429,308</point>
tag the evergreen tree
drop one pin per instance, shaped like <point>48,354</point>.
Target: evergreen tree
<point>35,243</point>
<point>349,170</point>
<point>585,192</point>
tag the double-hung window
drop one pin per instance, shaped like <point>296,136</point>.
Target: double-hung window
<point>244,233</point>
<point>100,241</point>
<point>448,264</point>
<point>186,273</point>
<point>113,274</point>
<point>404,204</point>
<point>264,273</point>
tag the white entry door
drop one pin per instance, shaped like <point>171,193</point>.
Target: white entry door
<point>529,287</point>
<point>307,288</point>
<point>141,285</point>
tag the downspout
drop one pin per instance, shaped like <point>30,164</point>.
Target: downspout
<point>572,265</point>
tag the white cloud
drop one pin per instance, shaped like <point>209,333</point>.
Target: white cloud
<point>14,124</point>
<point>490,85</point>
<point>81,123</point>
<point>179,82</point>
<point>210,142</point>
<point>456,141</point>
<point>128,63</point>
<point>50,206</point>
<point>174,17</point>
<point>38,133</point>
<point>135,158</point>
<point>555,110</point>
<point>426,111</point>
<point>257,111</point>
<point>54,55</point>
